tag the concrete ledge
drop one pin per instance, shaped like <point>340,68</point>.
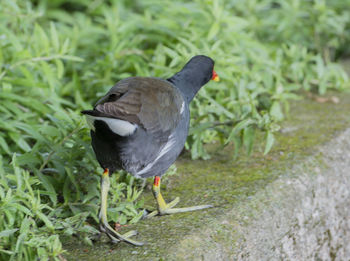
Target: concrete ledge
<point>303,215</point>
<point>292,204</point>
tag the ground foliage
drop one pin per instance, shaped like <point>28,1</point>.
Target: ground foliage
<point>58,57</point>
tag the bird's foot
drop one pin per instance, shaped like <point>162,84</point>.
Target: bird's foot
<point>116,237</point>
<point>104,226</point>
<point>168,209</point>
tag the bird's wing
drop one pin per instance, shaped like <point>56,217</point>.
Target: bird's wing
<point>151,103</point>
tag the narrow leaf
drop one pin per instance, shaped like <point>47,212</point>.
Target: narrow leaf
<point>269,142</point>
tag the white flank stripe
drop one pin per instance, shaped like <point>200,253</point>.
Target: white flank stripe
<point>120,127</point>
<point>182,107</point>
<point>170,143</point>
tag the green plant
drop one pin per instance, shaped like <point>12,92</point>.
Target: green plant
<point>58,57</point>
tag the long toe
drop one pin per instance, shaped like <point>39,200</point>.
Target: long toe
<point>173,203</point>
<point>169,211</point>
<point>130,233</point>
<point>152,214</point>
<point>116,237</point>
<point>164,208</point>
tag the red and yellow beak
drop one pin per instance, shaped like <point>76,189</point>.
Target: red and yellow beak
<point>215,77</point>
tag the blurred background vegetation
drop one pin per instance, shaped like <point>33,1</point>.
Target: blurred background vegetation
<point>58,57</point>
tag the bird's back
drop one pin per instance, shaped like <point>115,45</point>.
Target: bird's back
<point>153,111</point>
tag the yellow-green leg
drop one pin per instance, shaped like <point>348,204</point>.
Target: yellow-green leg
<point>104,226</point>
<point>166,209</point>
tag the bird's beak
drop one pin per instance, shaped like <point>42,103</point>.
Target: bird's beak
<point>215,77</point>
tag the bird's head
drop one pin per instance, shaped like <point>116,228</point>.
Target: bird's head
<point>201,68</point>
<point>198,71</point>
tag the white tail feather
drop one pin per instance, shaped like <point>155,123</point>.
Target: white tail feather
<point>120,127</point>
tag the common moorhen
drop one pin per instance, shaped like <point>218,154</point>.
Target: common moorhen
<point>141,126</point>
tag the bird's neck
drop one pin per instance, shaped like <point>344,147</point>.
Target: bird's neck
<point>187,84</point>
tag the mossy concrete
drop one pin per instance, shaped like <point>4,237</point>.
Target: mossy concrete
<point>303,215</point>
<point>239,189</point>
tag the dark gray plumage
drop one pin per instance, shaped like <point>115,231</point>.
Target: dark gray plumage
<point>148,120</point>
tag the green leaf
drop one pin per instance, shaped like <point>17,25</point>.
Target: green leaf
<point>238,127</point>
<point>8,232</point>
<point>48,186</point>
<point>237,145</point>
<point>73,180</point>
<point>200,127</point>
<point>60,68</point>
<point>65,46</point>
<point>46,220</point>
<point>122,219</point>
<point>270,139</point>
<point>4,146</point>
<point>8,252</point>
<point>54,37</point>
<point>213,31</point>
<point>22,209</point>
<point>72,58</point>
<point>248,139</point>
<point>23,144</point>
<point>44,44</point>
<point>276,111</point>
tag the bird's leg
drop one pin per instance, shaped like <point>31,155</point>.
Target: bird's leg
<point>104,226</point>
<point>164,208</point>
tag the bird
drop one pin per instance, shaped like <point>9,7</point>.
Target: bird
<point>141,126</point>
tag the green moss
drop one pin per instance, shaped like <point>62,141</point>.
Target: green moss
<point>223,182</point>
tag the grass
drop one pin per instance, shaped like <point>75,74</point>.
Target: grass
<point>58,57</point>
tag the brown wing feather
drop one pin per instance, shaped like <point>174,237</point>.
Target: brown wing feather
<point>149,102</point>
